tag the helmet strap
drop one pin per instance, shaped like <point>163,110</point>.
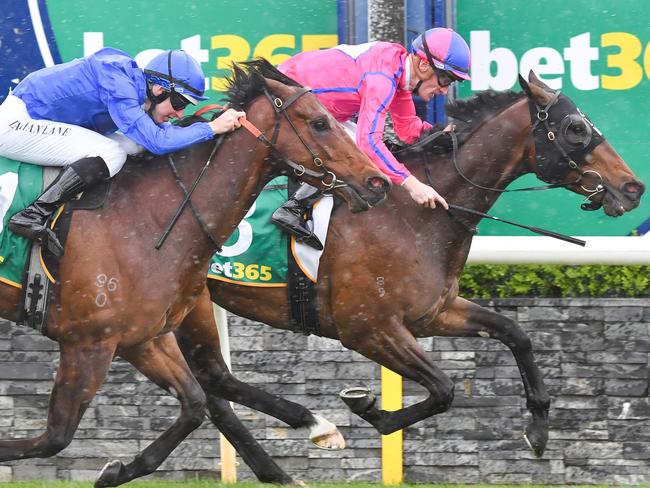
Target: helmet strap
<point>417,87</point>
<point>155,99</point>
<point>172,84</point>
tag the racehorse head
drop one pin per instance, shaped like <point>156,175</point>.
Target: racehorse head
<point>321,151</point>
<point>570,150</point>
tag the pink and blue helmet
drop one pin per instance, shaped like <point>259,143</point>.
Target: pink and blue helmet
<point>445,49</point>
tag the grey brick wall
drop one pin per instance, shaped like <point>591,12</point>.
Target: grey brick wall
<point>593,354</point>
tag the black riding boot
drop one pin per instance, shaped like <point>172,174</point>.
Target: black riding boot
<point>32,221</point>
<point>290,216</point>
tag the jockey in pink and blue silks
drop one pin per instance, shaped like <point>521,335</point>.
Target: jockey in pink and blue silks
<point>369,81</point>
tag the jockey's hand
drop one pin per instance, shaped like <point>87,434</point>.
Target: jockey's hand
<point>423,194</point>
<point>227,121</point>
<point>449,128</point>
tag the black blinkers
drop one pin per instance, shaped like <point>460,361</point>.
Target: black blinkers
<point>563,138</point>
<point>575,133</point>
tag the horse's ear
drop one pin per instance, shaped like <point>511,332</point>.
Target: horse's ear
<point>524,85</point>
<point>533,79</point>
<point>536,89</point>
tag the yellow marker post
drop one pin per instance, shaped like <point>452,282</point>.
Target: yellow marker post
<point>228,461</point>
<point>392,467</point>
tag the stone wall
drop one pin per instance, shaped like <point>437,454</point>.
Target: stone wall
<point>593,354</point>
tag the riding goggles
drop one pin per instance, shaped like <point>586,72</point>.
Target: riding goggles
<point>445,78</point>
<point>178,101</point>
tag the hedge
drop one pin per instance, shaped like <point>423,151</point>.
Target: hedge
<point>509,281</point>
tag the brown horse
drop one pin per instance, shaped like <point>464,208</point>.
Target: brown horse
<point>390,276</point>
<point>115,294</point>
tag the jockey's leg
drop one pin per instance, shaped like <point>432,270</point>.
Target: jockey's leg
<point>88,158</point>
<point>290,216</point>
<point>79,176</point>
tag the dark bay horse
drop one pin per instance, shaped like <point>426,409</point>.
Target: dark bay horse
<point>116,295</point>
<point>389,276</point>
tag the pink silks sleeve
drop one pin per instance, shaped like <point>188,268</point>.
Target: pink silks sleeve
<point>377,92</point>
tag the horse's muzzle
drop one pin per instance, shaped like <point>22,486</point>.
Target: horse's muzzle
<point>361,199</point>
<point>623,199</point>
<point>633,190</point>
<point>379,188</point>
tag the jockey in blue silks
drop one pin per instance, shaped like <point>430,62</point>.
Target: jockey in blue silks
<point>88,114</point>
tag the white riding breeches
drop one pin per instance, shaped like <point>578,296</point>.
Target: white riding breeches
<point>49,143</point>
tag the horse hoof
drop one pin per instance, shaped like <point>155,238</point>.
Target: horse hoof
<point>537,446</point>
<point>110,474</point>
<point>329,442</point>
<point>325,435</point>
<point>358,399</point>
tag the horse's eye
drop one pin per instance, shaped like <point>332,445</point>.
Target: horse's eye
<point>578,129</point>
<point>320,125</point>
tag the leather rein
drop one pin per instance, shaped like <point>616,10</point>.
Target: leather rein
<point>541,117</point>
<point>280,107</point>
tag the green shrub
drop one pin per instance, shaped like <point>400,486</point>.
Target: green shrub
<point>509,281</point>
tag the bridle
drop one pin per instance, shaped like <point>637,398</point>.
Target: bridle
<point>280,107</point>
<point>556,133</point>
<point>574,136</point>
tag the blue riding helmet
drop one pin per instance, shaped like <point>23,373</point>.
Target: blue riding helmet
<point>177,71</point>
<point>445,49</point>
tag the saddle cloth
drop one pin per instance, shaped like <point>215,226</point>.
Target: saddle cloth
<point>20,185</point>
<point>256,253</point>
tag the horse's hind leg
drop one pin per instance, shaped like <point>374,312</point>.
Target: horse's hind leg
<point>161,361</point>
<point>81,371</point>
<point>199,341</point>
<point>466,319</point>
<point>394,347</point>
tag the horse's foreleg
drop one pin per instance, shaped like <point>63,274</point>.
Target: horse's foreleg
<point>81,371</point>
<point>223,417</point>
<point>161,361</point>
<point>466,319</point>
<point>199,341</point>
<point>394,347</point>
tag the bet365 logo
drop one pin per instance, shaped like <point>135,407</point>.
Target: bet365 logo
<point>627,62</point>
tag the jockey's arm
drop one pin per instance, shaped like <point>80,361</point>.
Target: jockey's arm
<point>136,124</point>
<point>376,93</point>
<point>408,126</point>
<point>120,95</point>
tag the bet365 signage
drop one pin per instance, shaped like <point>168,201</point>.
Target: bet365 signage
<point>216,34</point>
<point>626,56</point>
<point>598,53</point>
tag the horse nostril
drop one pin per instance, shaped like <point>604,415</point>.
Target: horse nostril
<point>634,188</point>
<point>378,184</point>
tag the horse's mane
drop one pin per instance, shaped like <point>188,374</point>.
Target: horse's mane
<point>248,81</point>
<point>471,113</point>
<point>468,115</point>
<point>189,120</point>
